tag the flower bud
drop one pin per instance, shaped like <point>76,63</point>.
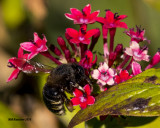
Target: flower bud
<point>55,50</point>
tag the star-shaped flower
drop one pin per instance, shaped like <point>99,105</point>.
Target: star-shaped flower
<point>104,75</point>
<point>20,64</point>
<point>137,36</point>
<point>82,100</point>
<point>84,17</point>
<point>123,76</point>
<point>82,36</point>
<point>35,47</point>
<point>137,53</point>
<point>87,62</point>
<point>112,20</point>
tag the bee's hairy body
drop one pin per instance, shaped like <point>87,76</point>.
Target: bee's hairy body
<point>65,77</point>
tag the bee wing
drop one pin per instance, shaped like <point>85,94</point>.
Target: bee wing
<point>35,67</point>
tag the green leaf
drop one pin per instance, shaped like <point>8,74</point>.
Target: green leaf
<point>139,96</point>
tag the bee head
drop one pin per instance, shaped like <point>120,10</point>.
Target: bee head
<point>79,72</point>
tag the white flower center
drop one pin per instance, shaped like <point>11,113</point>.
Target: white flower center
<point>81,38</point>
<point>40,48</point>
<point>83,99</point>
<point>83,20</point>
<point>137,54</point>
<point>104,76</point>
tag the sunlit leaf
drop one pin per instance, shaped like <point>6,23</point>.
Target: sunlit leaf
<point>139,96</point>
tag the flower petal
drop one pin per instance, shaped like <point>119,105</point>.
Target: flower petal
<point>110,81</point>
<point>101,82</point>
<point>70,16</point>
<point>111,72</point>
<point>117,79</point>
<point>87,89</point>
<point>134,45</point>
<point>92,17</point>
<point>72,32</point>
<point>83,105</point>
<point>28,46</point>
<point>86,41</point>
<point>14,75</point>
<point>32,54</point>
<point>75,101</point>
<point>44,39</point>
<point>121,17</point>
<point>74,41</point>
<point>90,100</point>
<point>95,74</point>
<point>94,14</point>
<point>76,12</point>
<point>103,67</point>
<point>87,9</point>
<point>77,93</point>
<point>17,62</point>
<point>91,32</point>
<point>128,51</point>
<point>101,20</point>
<point>136,68</point>
<point>36,37</point>
<point>124,74</point>
<point>122,25</point>
<point>20,53</point>
<point>109,16</point>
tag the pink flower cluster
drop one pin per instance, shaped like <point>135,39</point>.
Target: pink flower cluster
<point>119,64</point>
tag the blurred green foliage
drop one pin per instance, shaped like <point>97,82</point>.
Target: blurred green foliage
<point>6,118</point>
<point>13,12</point>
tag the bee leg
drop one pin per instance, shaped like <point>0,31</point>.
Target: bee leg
<point>81,89</point>
<point>68,103</point>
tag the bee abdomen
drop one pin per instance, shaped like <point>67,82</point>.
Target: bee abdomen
<point>55,105</point>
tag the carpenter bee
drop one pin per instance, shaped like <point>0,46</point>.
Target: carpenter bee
<point>64,78</point>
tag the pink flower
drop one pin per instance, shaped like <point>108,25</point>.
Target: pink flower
<point>82,36</point>
<point>123,76</point>
<point>136,68</point>
<point>137,53</point>
<point>39,45</point>
<point>137,36</point>
<point>84,17</point>
<point>87,62</point>
<point>155,60</point>
<point>82,100</point>
<point>112,20</point>
<point>104,75</point>
<point>20,64</point>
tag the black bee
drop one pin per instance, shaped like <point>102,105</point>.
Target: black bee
<point>63,79</point>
